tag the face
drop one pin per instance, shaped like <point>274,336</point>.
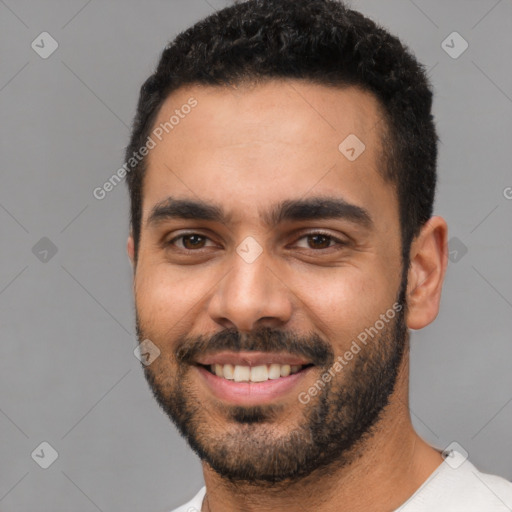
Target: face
<point>269,261</point>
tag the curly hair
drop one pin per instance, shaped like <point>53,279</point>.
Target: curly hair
<point>319,41</point>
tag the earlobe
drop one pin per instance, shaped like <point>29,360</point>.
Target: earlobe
<point>429,259</point>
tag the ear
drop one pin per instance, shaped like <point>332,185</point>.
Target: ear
<point>130,249</point>
<point>429,259</point>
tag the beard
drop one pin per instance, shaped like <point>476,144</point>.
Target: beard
<point>248,444</point>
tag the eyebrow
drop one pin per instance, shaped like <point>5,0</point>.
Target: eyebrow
<point>315,208</point>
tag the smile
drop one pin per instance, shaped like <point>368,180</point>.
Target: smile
<point>260,373</point>
<point>250,378</point>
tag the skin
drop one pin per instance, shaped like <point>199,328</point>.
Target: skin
<point>246,149</point>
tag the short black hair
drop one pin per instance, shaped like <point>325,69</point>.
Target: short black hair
<point>319,41</point>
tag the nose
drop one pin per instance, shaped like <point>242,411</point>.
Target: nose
<point>251,295</point>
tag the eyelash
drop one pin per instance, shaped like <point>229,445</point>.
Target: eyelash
<point>331,238</point>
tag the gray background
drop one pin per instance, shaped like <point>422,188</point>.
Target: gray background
<point>68,375</point>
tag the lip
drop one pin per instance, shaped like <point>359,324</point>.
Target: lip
<point>252,393</point>
<point>251,358</point>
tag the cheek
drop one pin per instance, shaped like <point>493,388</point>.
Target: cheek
<point>341,302</point>
<point>165,296</point>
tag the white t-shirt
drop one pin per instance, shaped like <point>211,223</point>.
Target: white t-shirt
<point>455,486</point>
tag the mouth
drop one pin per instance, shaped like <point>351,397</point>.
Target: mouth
<point>250,378</point>
<point>258,373</point>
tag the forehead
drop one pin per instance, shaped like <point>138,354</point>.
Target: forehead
<point>254,144</point>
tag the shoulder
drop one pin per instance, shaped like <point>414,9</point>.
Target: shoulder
<point>457,485</point>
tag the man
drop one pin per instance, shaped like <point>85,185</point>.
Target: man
<point>282,178</point>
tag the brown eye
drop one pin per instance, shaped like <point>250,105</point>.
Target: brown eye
<point>189,241</point>
<point>193,241</point>
<point>319,241</point>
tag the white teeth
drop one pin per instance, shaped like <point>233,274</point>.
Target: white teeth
<point>242,373</point>
<point>229,371</point>
<point>259,373</point>
<point>274,371</point>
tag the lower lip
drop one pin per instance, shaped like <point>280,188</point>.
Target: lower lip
<point>252,393</point>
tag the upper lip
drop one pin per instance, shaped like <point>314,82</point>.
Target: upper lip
<point>251,358</point>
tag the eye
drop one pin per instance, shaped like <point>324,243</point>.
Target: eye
<point>318,240</point>
<point>189,241</point>
<point>314,241</point>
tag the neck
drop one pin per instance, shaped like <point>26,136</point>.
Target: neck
<point>385,470</point>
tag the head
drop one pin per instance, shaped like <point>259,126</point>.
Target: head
<point>284,210</point>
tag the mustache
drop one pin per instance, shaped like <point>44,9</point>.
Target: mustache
<point>265,339</point>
